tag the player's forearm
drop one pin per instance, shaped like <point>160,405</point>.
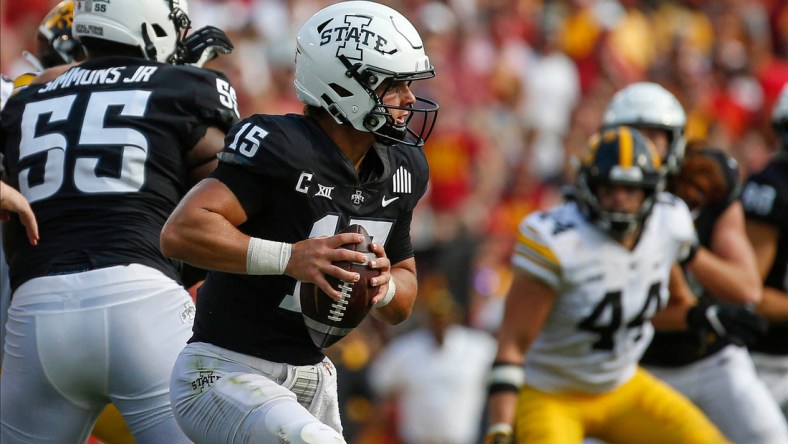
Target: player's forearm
<point>501,408</point>
<point>206,241</point>
<point>728,281</point>
<point>774,304</point>
<point>401,305</point>
<point>672,317</point>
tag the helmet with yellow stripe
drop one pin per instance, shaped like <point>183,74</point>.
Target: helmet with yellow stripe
<point>620,156</point>
<point>56,44</point>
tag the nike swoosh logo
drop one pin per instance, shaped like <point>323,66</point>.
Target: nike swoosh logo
<point>386,202</point>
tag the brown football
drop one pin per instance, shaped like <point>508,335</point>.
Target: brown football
<point>329,320</point>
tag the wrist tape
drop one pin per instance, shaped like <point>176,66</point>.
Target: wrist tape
<point>264,257</point>
<point>506,377</point>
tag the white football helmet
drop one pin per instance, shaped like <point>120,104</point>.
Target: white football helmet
<point>347,50</point>
<point>155,26</point>
<point>780,118</point>
<point>649,105</point>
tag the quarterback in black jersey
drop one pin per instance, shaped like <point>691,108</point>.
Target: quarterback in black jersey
<point>103,151</point>
<point>266,221</point>
<point>765,198</point>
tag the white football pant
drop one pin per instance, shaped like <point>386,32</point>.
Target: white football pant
<point>727,389</point>
<point>223,397</point>
<point>76,342</point>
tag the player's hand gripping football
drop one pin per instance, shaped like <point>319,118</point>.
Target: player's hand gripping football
<point>203,45</point>
<point>312,259</point>
<point>737,324</point>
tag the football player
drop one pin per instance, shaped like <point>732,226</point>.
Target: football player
<point>765,198</point>
<point>589,276</point>
<point>266,221</point>
<point>55,46</point>
<point>706,360</point>
<point>103,153</point>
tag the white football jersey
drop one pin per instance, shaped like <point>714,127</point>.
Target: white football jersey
<point>606,294</point>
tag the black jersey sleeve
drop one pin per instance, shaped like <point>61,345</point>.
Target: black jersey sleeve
<point>255,153</point>
<point>212,100</point>
<point>399,246</point>
<point>765,195</point>
<point>215,98</point>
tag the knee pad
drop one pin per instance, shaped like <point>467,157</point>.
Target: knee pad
<point>288,421</point>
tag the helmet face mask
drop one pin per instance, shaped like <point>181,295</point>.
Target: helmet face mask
<point>156,27</point>
<point>619,157</point>
<point>346,52</point>
<point>649,105</point>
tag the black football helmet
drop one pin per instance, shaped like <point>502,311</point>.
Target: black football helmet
<point>619,156</point>
<point>56,44</point>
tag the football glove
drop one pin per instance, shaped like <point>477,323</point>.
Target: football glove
<point>203,45</point>
<point>737,324</point>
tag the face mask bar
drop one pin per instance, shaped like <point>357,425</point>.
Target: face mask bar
<point>182,26</point>
<point>390,133</point>
<point>424,111</point>
<point>618,224</point>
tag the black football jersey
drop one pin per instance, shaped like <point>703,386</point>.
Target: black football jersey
<point>295,183</point>
<point>765,199</point>
<point>679,348</point>
<point>99,153</point>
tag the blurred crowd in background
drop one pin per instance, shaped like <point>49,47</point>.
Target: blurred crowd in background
<point>522,84</point>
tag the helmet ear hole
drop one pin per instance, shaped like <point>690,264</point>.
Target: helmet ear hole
<point>341,92</point>
<point>160,32</point>
<point>371,121</point>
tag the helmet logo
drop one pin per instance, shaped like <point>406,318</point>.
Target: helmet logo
<point>61,18</point>
<point>352,35</point>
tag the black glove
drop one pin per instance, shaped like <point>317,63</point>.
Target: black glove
<point>203,45</point>
<point>737,324</point>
